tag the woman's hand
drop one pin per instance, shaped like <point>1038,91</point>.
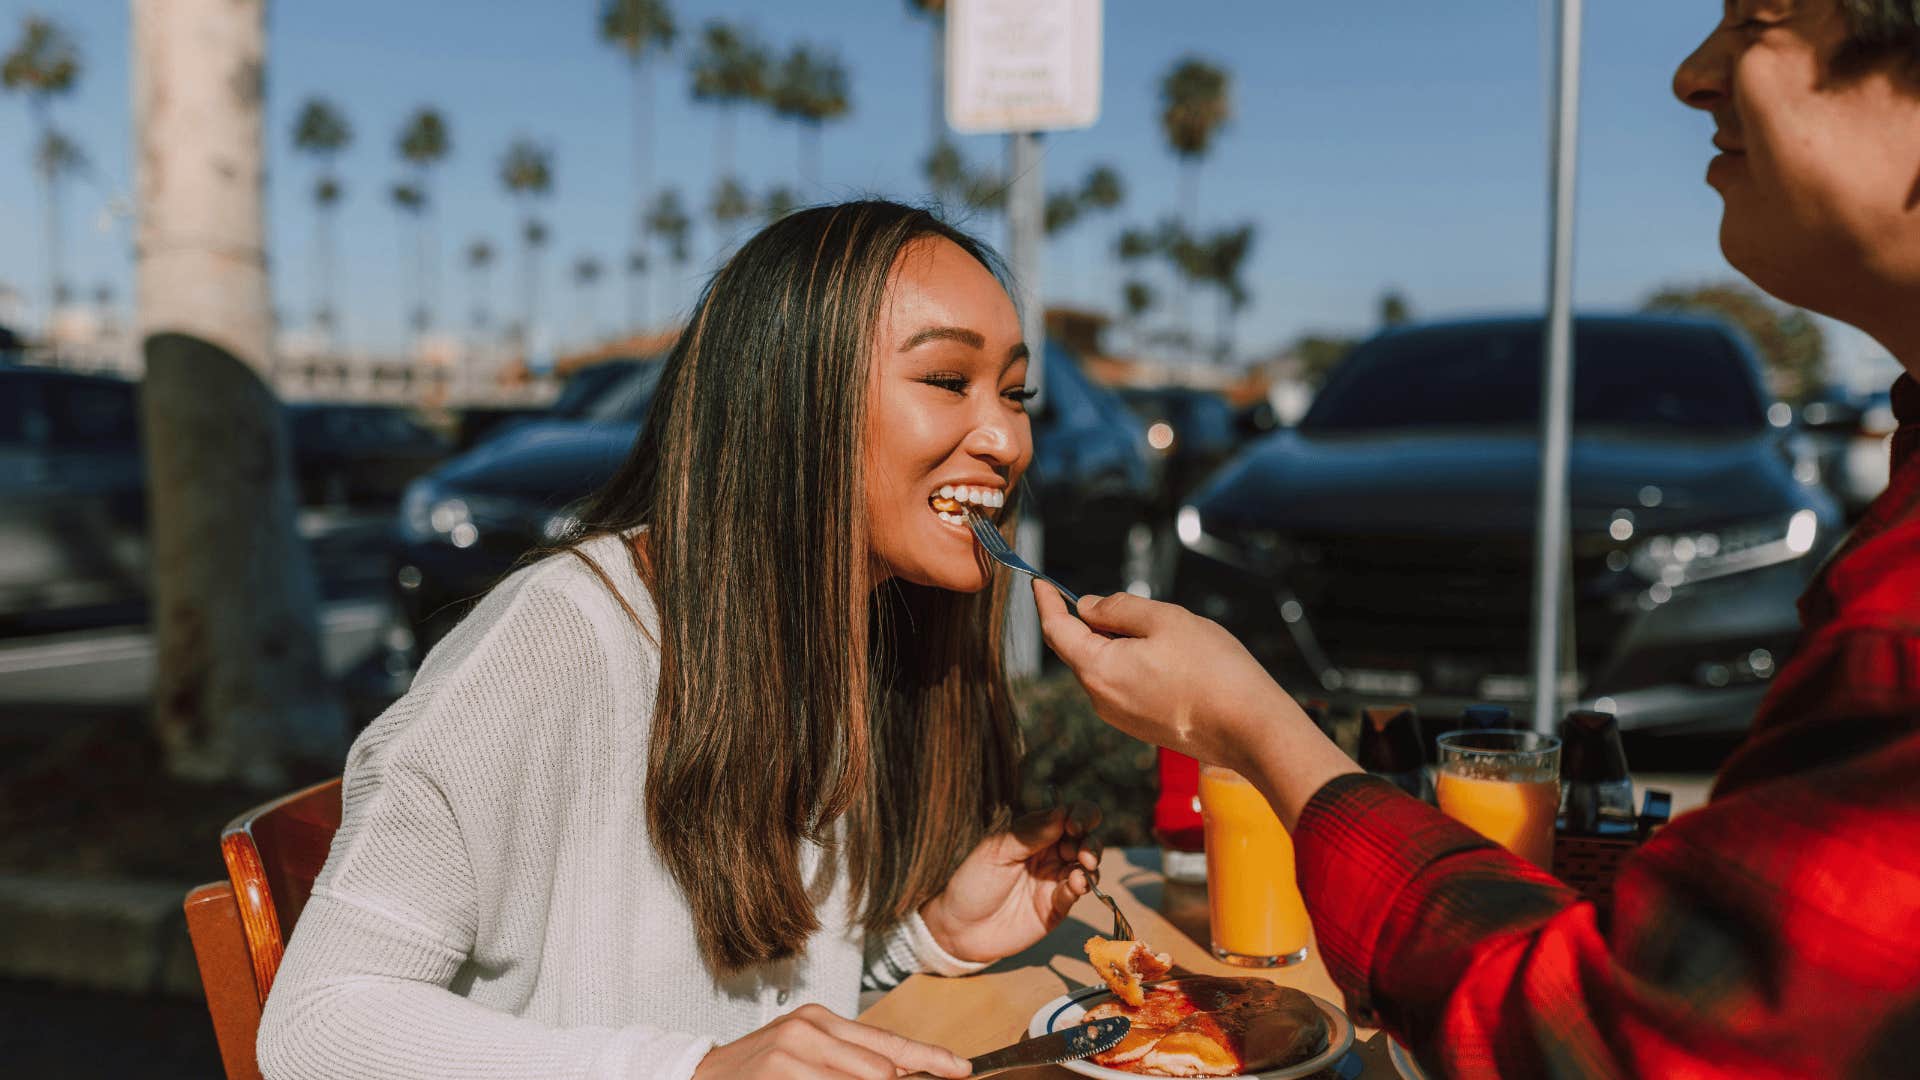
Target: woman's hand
<point>814,1043</point>
<point>1016,885</point>
<point>1172,678</point>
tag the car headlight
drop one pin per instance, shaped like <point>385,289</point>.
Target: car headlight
<point>1261,550</point>
<point>427,515</point>
<point>1684,558</point>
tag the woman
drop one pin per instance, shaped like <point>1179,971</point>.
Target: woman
<point>666,799</point>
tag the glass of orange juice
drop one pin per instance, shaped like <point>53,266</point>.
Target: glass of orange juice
<point>1255,911</point>
<point>1505,785</point>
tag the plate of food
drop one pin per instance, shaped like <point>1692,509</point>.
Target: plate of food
<point>1197,1025</point>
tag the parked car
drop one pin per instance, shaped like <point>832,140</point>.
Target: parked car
<point>469,522</point>
<point>1853,438</point>
<point>1192,430</point>
<point>1382,550</point>
<point>72,484</point>
<point>359,455</point>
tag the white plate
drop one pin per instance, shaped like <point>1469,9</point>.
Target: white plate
<point>1403,1062</point>
<point>1066,1010</point>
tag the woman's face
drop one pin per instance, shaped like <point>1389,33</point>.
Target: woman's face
<point>946,415</point>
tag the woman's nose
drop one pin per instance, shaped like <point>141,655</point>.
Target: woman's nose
<point>999,436</point>
<point>1702,79</point>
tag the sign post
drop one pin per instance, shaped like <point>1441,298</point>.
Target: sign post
<point>1018,68</point>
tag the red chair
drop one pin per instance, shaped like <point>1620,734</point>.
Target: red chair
<point>240,926</point>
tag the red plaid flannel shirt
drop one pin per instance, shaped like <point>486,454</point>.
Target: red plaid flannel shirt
<point>1774,932</point>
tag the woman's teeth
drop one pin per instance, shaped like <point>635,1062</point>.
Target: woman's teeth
<point>951,501</point>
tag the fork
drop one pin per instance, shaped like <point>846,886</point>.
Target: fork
<point>996,546</point>
<point>1122,929</point>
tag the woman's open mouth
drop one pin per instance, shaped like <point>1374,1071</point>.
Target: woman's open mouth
<point>952,502</point>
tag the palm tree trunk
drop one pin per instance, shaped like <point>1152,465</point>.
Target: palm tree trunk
<point>239,688</point>
<point>642,144</point>
<point>322,273</point>
<point>50,206</point>
<point>809,155</point>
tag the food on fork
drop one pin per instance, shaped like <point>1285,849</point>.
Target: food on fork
<point>952,500</point>
<point>1205,1025</point>
<point>1125,965</point>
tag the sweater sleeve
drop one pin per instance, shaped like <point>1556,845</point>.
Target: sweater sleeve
<point>368,986</point>
<point>908,948</point>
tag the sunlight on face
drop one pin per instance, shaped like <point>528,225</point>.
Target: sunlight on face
<point>946,415</point>
<point>1819,168</point>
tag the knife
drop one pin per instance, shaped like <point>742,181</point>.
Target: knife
<point>1068,1044</point>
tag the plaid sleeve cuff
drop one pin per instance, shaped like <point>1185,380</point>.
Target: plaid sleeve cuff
<point>906,949</point>
<point>1359,843</point>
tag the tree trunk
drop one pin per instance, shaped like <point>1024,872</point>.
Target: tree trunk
<point>50,202</point>
<point>323,274</point>
<point>239,690</point>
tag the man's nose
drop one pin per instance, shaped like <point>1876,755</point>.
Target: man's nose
<point>1702,80</point>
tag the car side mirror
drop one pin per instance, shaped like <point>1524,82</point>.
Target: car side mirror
<point>1258,419</point>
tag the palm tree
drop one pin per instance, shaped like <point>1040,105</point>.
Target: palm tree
<point>43,65</point>
<point>1220,259</point>
<point>423,144</point>
<point>1136,298</point>
<point>411,202</point>
<point>239,688</point>
<point>1394,309</point>
<point>730,204</point>
<point>780,202</point>
<point>636,290</point>
<point>936,13</point>
<point>527,173</point>
<point>729,70</point>
<point>1194,104</point>
<point>810,89</point>
<point>639,28</point>
<point>479,264</point>
<point>56,158</point>
<point>321,131</point>
<point>667,224</point>
<point>587,271</point>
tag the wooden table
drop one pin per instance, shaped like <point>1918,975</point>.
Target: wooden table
<point>973,1015</point>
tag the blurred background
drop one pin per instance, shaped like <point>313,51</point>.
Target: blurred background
<point>1292,281</point>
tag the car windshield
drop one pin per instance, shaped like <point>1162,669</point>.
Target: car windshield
<point>625,399</point>
<point>1656,376</point>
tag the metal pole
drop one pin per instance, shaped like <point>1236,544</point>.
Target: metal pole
<point>1550,552</point>
<point>1025,202</point>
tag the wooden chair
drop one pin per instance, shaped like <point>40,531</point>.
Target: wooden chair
<point>239,926</point>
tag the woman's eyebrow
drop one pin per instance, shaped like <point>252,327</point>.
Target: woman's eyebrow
<point>960,334</point>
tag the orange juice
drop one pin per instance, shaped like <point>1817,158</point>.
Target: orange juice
<point>1516,814</point>
<point>1257,916</point>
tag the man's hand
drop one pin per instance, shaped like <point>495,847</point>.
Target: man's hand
<point>1169,677</point>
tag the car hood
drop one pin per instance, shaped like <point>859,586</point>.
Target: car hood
<point>1464,482</point>
<point>548,462</point>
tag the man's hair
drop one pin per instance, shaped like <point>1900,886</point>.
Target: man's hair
<point>1880,30</point>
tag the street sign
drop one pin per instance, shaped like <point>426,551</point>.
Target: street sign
<point>1022,65</point>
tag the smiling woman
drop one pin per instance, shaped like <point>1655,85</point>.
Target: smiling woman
<point>669,797</point>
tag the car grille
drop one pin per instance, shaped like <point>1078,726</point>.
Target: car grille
<point>1453,610</point>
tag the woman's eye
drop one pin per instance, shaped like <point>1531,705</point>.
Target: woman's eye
<point>956,384</point>
<point>1022,394</point>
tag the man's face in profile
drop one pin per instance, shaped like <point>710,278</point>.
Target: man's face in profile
<point>1820,157</point>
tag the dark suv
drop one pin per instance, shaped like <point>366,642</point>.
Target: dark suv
<point>467,523</point>
<point>1383,550</point>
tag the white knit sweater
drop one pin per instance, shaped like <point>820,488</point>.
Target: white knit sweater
<point>493,905</point>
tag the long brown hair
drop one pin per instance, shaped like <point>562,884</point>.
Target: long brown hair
<point>797,704</point>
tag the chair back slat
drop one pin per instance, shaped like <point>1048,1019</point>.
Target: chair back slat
<point>273,854</point>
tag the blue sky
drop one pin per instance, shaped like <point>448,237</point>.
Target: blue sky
<point>1403,148</point>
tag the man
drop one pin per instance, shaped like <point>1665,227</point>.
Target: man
<point>1775,932</point>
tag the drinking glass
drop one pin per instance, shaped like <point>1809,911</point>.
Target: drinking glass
<point>1255,912</point>
<point>1505,785</point>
